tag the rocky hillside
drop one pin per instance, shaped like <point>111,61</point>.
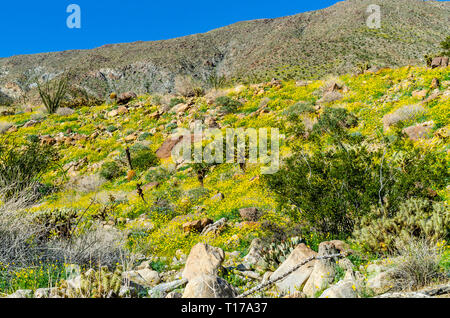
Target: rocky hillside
<point>307,45</point>
<point>157,228</point>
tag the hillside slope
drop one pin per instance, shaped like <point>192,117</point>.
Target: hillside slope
<point>90,191</point>
<point>306,45</point>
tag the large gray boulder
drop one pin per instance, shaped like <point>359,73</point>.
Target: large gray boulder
<point>323,272</point>
<point>296,280</point>
<point>203,260</point>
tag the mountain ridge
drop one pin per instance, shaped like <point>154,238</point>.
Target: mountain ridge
<point>302,46</point>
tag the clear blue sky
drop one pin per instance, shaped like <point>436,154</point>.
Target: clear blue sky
<point>40,26</point>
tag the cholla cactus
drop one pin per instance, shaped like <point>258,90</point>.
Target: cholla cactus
<point>94,284</point>
<point>275,254</point>
<point>56,222</point>
<point>415,218</point>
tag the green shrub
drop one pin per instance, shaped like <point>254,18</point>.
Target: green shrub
<point>227,104</point>
<point>298,109</point>
<point>110,170</point>
<point>175,101</point>
<point>420,218</point>
<point>158,174</point>
<point>111,128</point>
<point>338,181</point>
<point>142,157</point>
<point>23,166</point>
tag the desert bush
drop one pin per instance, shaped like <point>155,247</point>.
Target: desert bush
<point>22,243</point>
<point>403,114</point>
<point>86,184</point>
<point>330,97</point>
<point>416,218</point>
<point>215,81</point>
<point>227,104</point>
<point>418,263</point>
<point>298,109</point>
<point>338,181</point>
<point>4,126</point>
<point>53,94</point>
<point>157,174</point>
<point>445,45</point>
<point>65,111</point>
<point>111,170</point>
<point>186,86</point>
<point>142,157</point>
<point>22,166</point>
<point>79,97</point>
<point>111,128</point>
<point>330,81</point>
<point>175,101</point>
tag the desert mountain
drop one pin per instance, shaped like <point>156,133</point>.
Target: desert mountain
<point>306,45</point>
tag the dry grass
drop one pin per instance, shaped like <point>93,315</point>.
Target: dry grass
<point>65,111</point>
<point>418,264</point>
<point>22,243</point>
<point>404,113</point>
<point>4,126</point>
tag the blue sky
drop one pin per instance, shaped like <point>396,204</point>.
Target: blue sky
<point>40,26</point>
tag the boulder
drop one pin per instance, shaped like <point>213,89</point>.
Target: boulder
<point>323,272</point>
<point>144,277</point>
<point>162,290</point>
<point>122,110</point>
<point>45,292</point>
<point>434,83</point>
<point>343,289</point>
<point>165,151</point>
<point>440,61</point>
<point>380,283</point>
<point>250,214</point>
<point>255,253</point>
<point>420,94</point>
<point>296,280</point>
<point>419,131</point>
<point>215,228</point>
<point>218,197</point>
<point>125,98</point>
<point>196,226</point>
<point>403,295</point>
<point>21,293</point>
<point>346,288</point>
<point>203,260</point>
<point>209,286</point>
